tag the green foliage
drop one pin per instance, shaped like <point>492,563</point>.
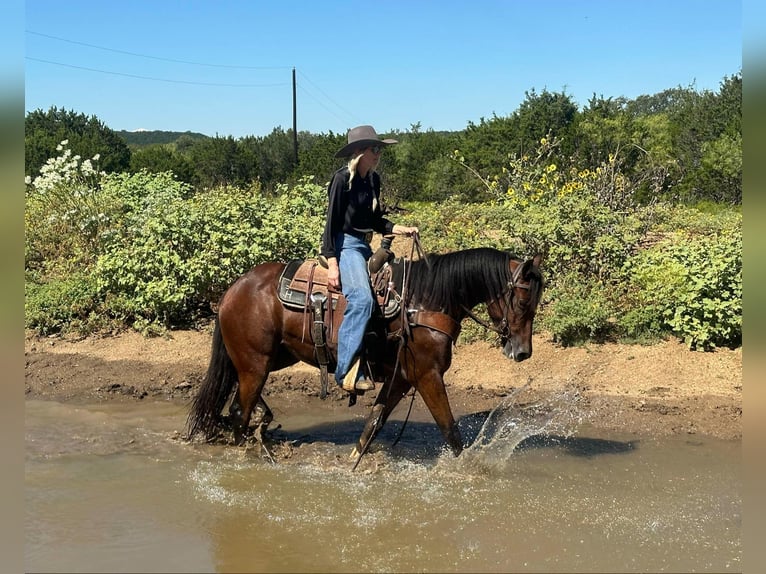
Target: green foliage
<point>179,255</point>
<point>87,137</point>
<point>316,154</point>
<point>218,162</point>
<point>413,163</point>
<point>486,146</point>
<point>162,158</point>
<point>63,304</point>
<point>142,138</point>
<point>581,221</point>
<point>590,230</point>
<point>720,171</point>
<point>689,285</point>
<point>66,210</point>
<point>581,310</point>
<point>599,192</point>
<point>680,145</point>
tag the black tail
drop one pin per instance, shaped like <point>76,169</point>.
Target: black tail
<point>221,376</point>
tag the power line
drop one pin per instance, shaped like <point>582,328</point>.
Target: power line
<point>318,101</point>
<point>157,57</point>
<point>350,114</point>
<point>158,79</point>
<point>303,89</point>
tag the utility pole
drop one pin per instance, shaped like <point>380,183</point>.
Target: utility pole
<point>295,122</point>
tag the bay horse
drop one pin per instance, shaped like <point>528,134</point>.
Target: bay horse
<point>256,334</point>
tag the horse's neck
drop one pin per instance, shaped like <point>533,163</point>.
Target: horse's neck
<point>458,307</point>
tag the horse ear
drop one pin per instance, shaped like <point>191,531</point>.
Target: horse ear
<point>530,264</point>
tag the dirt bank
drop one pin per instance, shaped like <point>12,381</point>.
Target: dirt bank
<point>662,389</point>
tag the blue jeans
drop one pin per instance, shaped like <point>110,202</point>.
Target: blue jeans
<point>353,254</point>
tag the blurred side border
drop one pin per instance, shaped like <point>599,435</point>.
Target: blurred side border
<point>754,279</point>
<point>12,284</point>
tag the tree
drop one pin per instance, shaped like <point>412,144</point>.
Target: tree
<point>276,157</point>
<point>217,162</point>
<point>546,114</point>
<point>159,159</point>
<point>269,159</point>
<point>699,120</point>
<point>316,154</point>
<point>86,136</point>
<point>603,127</point>
<point>488,146</point>
<point>409,164</point>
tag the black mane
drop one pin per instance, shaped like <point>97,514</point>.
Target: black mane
<point>460,279</point>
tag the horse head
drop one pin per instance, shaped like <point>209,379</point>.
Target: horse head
<point>513,313</point>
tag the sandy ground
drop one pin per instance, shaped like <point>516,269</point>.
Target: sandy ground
<point>656,390</point>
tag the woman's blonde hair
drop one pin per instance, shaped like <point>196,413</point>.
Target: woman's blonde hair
<point>352,163</point>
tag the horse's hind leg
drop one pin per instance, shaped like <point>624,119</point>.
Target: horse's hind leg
<point>262,417</point>
<point>248,395</point>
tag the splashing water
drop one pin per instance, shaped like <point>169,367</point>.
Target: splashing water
<point>517,418</point>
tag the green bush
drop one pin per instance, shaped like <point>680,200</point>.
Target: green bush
<point>62,304</point>
<point>690,286</point>
<point>65,211</point>
<point>178,256</point>
<point>580,311</point>
<point>145,250</point>
<point>452,225</point>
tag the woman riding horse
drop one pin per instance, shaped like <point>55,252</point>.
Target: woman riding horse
<point>353,213</point>
<point>256,334</point>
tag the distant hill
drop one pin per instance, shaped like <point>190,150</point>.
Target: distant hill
<point>151,137</point>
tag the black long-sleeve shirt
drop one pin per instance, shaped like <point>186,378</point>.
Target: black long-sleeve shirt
<point>353,210</point>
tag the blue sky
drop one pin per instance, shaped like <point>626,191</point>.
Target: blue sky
<point>225,67</point>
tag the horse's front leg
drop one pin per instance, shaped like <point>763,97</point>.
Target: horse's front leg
<point>424,362</point>
<point>430,385</point>
<point>388,397</point>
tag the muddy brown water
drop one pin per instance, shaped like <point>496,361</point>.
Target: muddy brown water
<point>112,488</point>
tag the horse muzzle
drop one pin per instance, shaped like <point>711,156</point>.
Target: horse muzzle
<point>517,353</point>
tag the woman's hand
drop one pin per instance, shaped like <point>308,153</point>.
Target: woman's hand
<point>404,230</point>
<point>333,274</point>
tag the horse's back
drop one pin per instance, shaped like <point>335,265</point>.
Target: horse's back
<point>254,323</point>
<point>259,281</point>
<point>252,299</point>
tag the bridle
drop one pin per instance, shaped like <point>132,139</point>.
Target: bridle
<point>504,329</point>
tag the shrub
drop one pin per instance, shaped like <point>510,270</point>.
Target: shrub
<point>581,310</point>
<point>178,256</point>
<point>689,285</point>
<point>62,304</point>
<point>65,211</point>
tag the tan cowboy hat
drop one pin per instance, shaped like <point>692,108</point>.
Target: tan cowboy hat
<point>361,137</point>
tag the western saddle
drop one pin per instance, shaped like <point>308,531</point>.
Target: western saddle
<point>303,287</point>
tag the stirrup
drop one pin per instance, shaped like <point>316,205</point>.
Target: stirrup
<point>359,387</point>
<point>351,385</point>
